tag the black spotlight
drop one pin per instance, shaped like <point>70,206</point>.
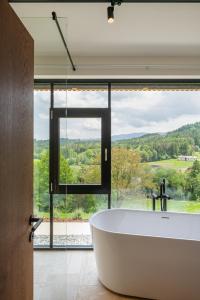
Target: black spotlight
<point>110,10</point>
<point>110,14</point>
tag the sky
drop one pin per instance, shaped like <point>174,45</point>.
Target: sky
<point>132,112</point>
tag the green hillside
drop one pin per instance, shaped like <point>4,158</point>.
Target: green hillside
<point>154,147</point>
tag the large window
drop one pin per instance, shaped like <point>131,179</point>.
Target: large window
<point>155,135</point>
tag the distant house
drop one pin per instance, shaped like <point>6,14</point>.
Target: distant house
<point>187,158</point>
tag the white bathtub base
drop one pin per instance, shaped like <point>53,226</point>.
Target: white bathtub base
<point>148,267</point>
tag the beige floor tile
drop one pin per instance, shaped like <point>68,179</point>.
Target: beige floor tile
<point>69,275</point>
<point>74,264</point>
<point>94,293</point>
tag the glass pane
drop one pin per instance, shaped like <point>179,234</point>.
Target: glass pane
<point>71,215</point>
<point>80,151</point>
<point>41,163</point>
<point>155,135</point>
<point>76,95</point>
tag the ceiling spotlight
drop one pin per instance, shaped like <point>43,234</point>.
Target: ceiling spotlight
<point>110,10</point>
<point>110,14</point>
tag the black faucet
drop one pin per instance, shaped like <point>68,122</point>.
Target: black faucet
<point>162,196</point>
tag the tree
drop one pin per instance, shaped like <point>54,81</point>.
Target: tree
<point>128,173</point>
<point>175,182</point>
<point>41,182</point>
<point>146,176</point>
<point>92,173</point>
<point>86,203</point>
<point>193,181</point>
<point>41,179</point>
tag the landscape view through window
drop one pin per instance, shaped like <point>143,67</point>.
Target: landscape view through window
<point>155,135</point>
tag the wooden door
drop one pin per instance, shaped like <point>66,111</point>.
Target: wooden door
<point>16,156</point>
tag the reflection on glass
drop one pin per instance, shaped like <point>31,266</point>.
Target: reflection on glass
<point>80,151</point>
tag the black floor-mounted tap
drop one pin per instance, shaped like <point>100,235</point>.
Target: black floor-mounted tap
<point>162,196</point>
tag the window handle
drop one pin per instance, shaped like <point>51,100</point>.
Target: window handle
<point>106,154</point>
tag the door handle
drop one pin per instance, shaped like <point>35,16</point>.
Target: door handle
<point>37,222</point>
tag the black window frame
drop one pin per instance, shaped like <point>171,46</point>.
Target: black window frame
<point>104,115</point>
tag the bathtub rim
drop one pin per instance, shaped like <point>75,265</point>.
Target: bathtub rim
<point>137,234</point>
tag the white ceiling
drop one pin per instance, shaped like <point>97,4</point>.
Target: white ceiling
<point>138,30</point>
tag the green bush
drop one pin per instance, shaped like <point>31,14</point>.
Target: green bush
<point>77,214</point>
<point>86,203</point>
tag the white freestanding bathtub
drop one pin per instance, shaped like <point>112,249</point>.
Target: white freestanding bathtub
<point>154,255</point>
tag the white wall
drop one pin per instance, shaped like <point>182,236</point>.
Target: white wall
<point>122,67</point>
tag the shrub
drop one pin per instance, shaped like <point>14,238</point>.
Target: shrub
<point>77,214</point>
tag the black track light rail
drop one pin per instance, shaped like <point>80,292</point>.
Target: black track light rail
<point>54,17</point>
<point>104,1</point>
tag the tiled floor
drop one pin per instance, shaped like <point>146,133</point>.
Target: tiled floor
<point>68,275</point>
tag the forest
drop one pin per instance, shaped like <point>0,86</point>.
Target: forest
<point>138,166</point>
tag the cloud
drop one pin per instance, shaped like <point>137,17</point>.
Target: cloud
<point>41,115</point>
<point>139,111</point>
<point>44,116</point>
<point>153,111</point>
<point>80,128</point>
<point>81,99</point>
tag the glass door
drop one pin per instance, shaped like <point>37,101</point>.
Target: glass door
<point>80,162</point>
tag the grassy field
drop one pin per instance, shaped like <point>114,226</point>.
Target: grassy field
<point>146,204</point>
<point>171,164</point>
